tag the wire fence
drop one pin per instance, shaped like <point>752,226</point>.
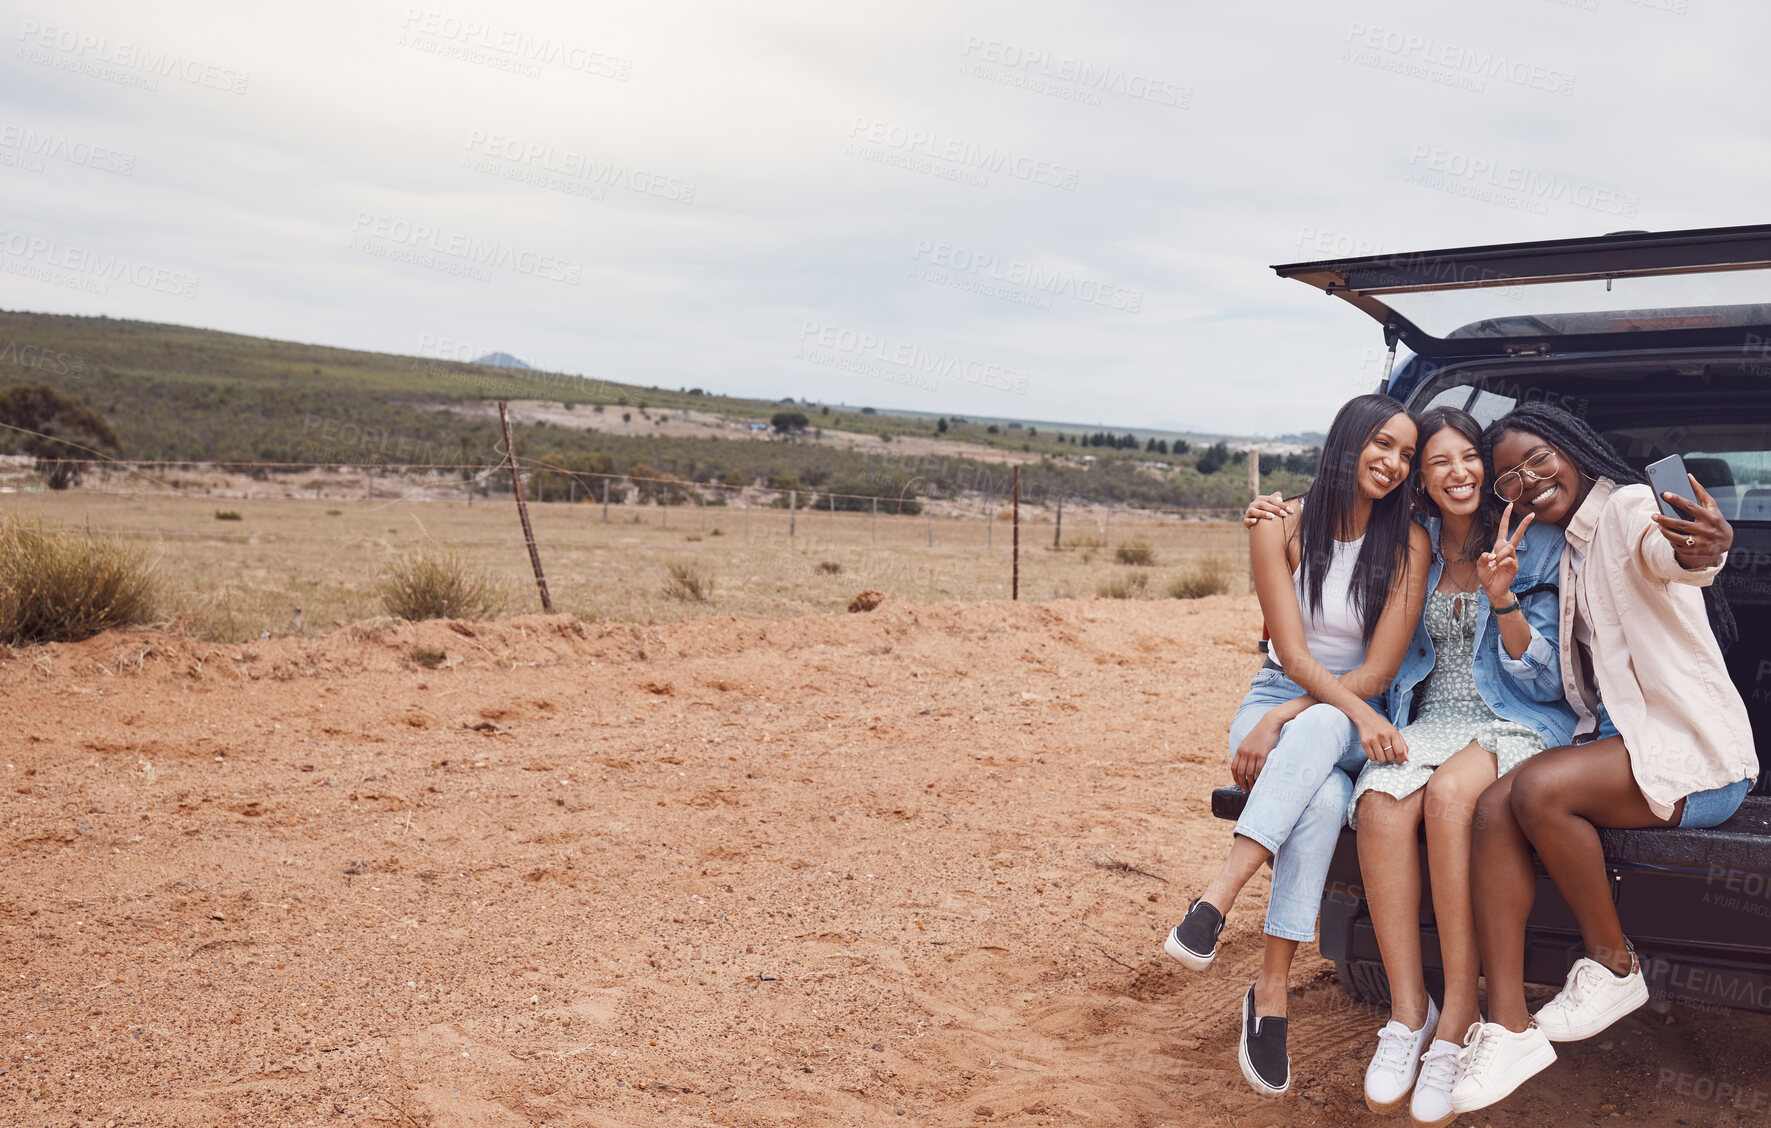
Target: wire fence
<point>272,547</point>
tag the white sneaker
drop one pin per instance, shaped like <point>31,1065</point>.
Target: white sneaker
<point>1391,1072</point>
<point>1496,1061</point>
<point>1440,1067</point>
<point>1593,998</point>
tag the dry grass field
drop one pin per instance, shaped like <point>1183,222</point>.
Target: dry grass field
<point>229,580</point>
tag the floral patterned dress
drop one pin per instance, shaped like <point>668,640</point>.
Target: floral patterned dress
<point>1451,713</point>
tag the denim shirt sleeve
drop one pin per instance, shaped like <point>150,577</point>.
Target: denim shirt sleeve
<point>1538,672</point>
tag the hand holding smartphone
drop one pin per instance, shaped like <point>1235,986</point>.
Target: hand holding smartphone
<point>1669,476</point>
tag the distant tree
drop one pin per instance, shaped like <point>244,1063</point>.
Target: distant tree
<point>1161,446</point>
<point>823,409</point>
<point>1213,458</point>
<point>788,422</point>
<point>1032,431</point>
<point>1129,441</point>
<point>1181,446</point>
<point>941,426</point>
<point>993,429</point>
<point>868,411</point>
<point>1150,446</point>
<point>64,429</point>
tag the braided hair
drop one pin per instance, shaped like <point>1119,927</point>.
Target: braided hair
<point>1594,456</point>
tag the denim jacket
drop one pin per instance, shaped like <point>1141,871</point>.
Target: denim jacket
<point>1526,690</point>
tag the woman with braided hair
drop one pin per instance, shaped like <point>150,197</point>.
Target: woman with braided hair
<point>1662,736</point>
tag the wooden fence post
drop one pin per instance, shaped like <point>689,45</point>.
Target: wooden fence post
<point>1015,589</point>
<point>516,485</point>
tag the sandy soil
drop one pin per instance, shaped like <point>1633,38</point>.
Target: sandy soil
<point>833,869</point>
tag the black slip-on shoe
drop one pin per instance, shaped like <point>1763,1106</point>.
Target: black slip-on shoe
<point>1194,941</point>
<point>1262,1053</point>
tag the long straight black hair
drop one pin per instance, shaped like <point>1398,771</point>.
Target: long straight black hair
<point>1431,422</point>
<point>1328,509</point>
<point>1595,457</point>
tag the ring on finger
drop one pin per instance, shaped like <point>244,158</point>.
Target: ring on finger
<point>1690,541</point>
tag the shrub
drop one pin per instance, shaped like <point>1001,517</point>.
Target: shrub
<point>829,568</point>
<point>429,656</point>
<point>1135,552</point>
<point>228,515</point>
<point>427,582</point>
<point>1083,542</point>
<point>63,587</point>
<point>1206,575</point>
<point>686,581</point>
<point>1126,585</point>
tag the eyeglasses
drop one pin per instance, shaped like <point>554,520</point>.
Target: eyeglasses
<point>1510,487</point>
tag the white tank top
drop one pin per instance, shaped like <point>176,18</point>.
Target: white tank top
<point>1335,634</point>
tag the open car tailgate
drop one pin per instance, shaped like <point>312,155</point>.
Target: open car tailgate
<point>1374,283</point>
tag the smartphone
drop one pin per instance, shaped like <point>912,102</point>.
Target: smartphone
<point>1668,476</point>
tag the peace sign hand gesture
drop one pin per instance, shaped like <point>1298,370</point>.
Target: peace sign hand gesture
<point>1499,567</point>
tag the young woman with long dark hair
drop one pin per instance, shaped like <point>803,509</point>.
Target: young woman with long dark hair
<point>1340,586</point>
<point>1666,737</point>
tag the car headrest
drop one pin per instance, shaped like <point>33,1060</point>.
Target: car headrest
<point>1714,473</point>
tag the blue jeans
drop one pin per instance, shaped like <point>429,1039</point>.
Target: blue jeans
<point>1716,806</point>
<point>1299,801</point>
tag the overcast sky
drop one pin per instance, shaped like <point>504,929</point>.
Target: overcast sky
<point>1034,209</point>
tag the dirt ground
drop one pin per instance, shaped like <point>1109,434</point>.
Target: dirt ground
<point>906,867</point>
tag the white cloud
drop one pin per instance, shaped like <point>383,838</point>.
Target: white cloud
<point>716,175</point>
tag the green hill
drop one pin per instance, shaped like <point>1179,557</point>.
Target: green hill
<point>175,393</point>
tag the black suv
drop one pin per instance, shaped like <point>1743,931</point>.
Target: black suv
<point>1663,342</point>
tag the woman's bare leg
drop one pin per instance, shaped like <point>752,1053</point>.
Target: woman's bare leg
<point>1389,865</point>
<point>1559,801</point>
<point>1275,977</point>
<point>1245,860</point>
<point>1502,855</point>
<point>1449,810</point>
